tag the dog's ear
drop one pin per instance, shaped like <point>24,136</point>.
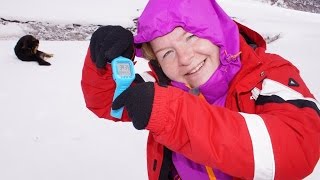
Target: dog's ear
<point>34,40</point>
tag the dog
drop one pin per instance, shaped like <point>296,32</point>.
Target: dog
<point>26,49</point>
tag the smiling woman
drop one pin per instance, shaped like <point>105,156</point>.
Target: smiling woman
<point>219,101</point>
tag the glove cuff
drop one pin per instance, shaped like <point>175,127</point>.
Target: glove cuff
<point>159,112</point>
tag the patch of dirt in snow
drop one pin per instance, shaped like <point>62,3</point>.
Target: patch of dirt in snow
<point>14,29</point>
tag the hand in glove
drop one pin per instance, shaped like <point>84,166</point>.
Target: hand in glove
<point>138,101</point>
<point>109,42</point>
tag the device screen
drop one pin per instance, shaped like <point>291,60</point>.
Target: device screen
<point>124,69</point>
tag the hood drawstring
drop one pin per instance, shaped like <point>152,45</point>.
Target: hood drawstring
<point>231,57</point>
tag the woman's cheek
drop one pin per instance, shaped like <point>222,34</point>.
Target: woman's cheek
<point>173,74</point>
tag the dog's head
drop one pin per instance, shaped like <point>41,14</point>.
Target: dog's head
<point>30,43</point>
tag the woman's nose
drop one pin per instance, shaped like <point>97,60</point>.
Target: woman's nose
<point>185,55</point>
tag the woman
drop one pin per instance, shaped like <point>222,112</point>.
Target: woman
<point>221,107</point>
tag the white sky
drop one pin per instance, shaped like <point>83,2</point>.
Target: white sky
<point>46,133</point>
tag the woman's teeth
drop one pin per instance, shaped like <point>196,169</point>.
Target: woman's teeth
<point>196,69</point>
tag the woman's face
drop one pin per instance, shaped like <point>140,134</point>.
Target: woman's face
<point>185,57</point>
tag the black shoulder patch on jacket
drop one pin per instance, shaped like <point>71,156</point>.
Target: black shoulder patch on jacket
<point>292,82</point>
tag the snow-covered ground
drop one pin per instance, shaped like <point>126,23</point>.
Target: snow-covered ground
<point>46,133</point>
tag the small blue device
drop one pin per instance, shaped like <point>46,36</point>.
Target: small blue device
<point>123,74</point>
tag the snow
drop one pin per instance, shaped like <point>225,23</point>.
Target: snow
<point>75,11</point>
<point>46,132</point>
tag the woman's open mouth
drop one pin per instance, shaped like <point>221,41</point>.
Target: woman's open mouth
<point>196,69</point>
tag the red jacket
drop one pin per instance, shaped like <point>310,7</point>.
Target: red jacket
<point>269,129</point>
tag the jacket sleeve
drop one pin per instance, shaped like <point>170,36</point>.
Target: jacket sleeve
<point>279,141</point>
<point>98,89</point>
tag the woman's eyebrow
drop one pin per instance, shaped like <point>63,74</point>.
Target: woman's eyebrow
<point>159,50</point>
<point>179,37</point>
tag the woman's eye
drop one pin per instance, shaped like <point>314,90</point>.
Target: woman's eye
<point>191,36</point>
<point>166,54</point>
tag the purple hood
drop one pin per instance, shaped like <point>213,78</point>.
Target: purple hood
<point>204,18</point>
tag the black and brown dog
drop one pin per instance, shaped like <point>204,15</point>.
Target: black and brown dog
<point>26,49</point>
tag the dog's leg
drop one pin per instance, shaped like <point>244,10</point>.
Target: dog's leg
<point>48,55</point>
<point>42,62</point>
<point>40,58</point>
<point>44,55</point>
